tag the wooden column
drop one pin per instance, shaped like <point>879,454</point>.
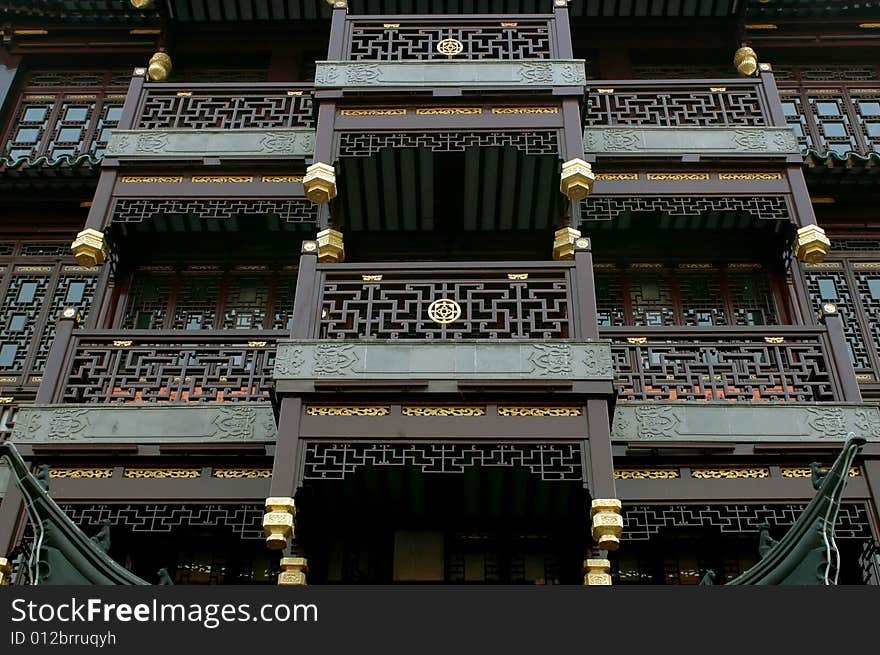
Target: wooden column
<point>52,386</point>
<point>601,461</point>
<point>305,302</point>
<point>285,467</point>
<point>336,46</point>
<point>585,291</point>
<point>840,359</point>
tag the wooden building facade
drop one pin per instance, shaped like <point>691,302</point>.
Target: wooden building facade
<point>464,291</point>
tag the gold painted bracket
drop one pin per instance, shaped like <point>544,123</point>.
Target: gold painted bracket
<point>576,180</point>
<point>293,571</point>
<point>564,243</point>
<point>278,521</point>
<point>331,246</point>
<point>597,573</point>
<point>319,183</point>
<point>89,248</point>
<point>811,244</point>
<point>607,522</point>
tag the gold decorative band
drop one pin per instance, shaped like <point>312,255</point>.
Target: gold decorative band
<point>241,473</point>
<point>448,111</point>
<point>646,474</point>
<point>281,179</point>
<point>348,410</point>
<point>442,410</point>
<point>396,111</point>
<point>677,177</point>
<point>749,176</point>
<point>617,177</point>
<point>730,473</point>
<point>151,179</point>
<point>222,179</point>
<point>525,110</point>
<point>161,474</point>
<point>80,473</point>
<point>514,410</point>
<point>804,472</point>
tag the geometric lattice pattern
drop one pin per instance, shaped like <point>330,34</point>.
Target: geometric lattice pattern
<point>839,119</point>
<point>640,522</point>
<point>231,299</point>
<point>365,144</point>
<point>244,521</point>
<point>34,287</point>
<point>65,120</point>
<point>854,286</point>
<point>690,294</point>
<point>678,365</point>
<point>226,109</point>
<point>369,40</point>
<point>160,369</point>
<point>492,305</point>
<point>289,210</point>
<point>597,208</point>
<point>644,104</point>
<point>552,462</point>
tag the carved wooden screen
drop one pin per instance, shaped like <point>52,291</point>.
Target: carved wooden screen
<point>852,282</point>
<point>833,108</point>
<point>208,297</point>
<point>687,294</point>
<point>65,114</point>
<point>422,39</point>
<point>37,280</point>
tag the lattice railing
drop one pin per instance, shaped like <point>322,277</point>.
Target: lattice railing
<point>496,301</point>
<point>830,117</point>
<point>139,366</point>
<point>676,103</point>
<point>789,364</point>
<point>408,38</point>
<point>224,106</point>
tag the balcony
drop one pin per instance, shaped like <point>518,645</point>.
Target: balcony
<point>142,366</point>
<point>426,52</point>
<point>732,364</point>
<point>719,118</point>
<point>142,387</point>
<point>495,300</point>
<point>227,121</point>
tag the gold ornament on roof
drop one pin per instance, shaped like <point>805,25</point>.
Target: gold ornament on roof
<point>444,311</point>
<point>450,47</point>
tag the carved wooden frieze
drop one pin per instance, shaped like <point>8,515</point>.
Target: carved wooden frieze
<point>705,140</point>
<point>707,421</point>
<point>397,359</point>
<point>145,423</point>
<point>438,73</point>
<point>295,143</point>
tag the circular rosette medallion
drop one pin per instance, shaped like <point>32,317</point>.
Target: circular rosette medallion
<point>450,47</point>
<point>444,311</point>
